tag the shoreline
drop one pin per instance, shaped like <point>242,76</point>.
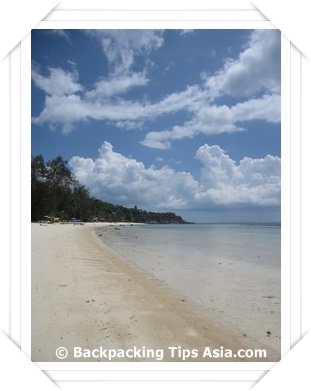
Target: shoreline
<point>85,294</point>
<point>239,288</point>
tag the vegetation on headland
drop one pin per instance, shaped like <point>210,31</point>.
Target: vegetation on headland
<point>57,195</point>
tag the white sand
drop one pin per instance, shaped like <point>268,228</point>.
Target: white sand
<point>84,294</point>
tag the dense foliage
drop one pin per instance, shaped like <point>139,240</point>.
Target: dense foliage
<point>55,193</point>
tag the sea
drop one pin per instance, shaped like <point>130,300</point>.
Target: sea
<point>230,270</point>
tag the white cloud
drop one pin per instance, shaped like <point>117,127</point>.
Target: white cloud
<point>59,82</point>
<point>212,119</point>
<point>186,31</point>
<point>129,125</point>
<point>158,140</point>
<point>257,68</point>
<point>121,46</point>
<point>65,109</point>
<point>254,75</point>
<point>119,179</point>
<point>267,108</point>
<point>106,88</point>
<point>251,181</point>
<point>187,99</point>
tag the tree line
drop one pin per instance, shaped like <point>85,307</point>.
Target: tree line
<point>56,194</point>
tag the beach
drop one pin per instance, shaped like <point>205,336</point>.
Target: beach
<point>85,294</point>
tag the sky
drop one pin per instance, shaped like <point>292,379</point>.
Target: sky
<point>187,121</point>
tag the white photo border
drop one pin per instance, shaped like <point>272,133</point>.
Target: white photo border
<point>21,249</point>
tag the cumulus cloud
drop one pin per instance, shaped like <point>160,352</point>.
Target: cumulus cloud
<point>251,181</point>
<point>256,69</point>
<point>120,179</point>
<point>223,182</point>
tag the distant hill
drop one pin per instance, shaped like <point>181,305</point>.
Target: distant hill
<point>110,212</point>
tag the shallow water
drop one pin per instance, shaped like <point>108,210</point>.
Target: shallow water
<point>230,270</point>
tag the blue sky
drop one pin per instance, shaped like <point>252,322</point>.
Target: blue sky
<point>179,120</point>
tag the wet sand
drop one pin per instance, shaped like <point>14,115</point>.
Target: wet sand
<point>85,295</point>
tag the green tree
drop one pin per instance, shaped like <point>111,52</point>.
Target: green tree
<point>56,192</point>
<point>52,186</point>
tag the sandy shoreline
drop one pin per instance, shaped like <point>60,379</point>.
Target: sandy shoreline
<point>86,295</point>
